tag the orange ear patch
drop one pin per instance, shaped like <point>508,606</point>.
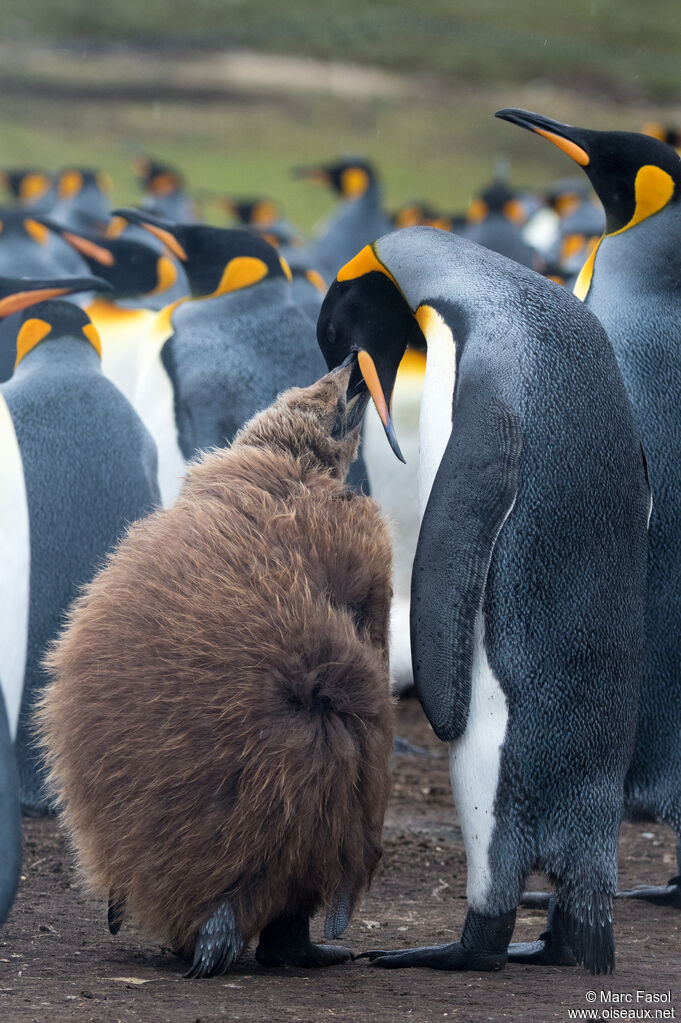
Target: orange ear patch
<point>31,334</point>
<point>365,262</point>
<point>70,184</point>
<point>33,186</point>
<point>354,182</point>
<point>477,211</point>
<point>240,272</point>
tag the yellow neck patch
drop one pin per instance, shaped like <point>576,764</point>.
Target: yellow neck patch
<point>115,227</point>
<point>32,332</point>
<point>314,277</point>
<point>365,262</point>
<point>286,268</point>
<point>70,184</point>
<point>354,182</point>
<point>38,232</point>
<point>653,188</point>
<point>239,273</point>
<point>92,334</point>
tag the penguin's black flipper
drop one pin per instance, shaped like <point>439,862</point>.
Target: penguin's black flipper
<point>218,944</point>
<point>10,818</point>
<point>116,911</point>
<point>472,495</point>
<point>338,916</point>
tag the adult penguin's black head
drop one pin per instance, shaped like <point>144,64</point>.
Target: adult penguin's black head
<point>253,212</point>
<point>350,178</point>
<point>634,176</point>
<point>364,312</point>
<point>131,268</point>
<point>160,179</point>
<point>216,260</point>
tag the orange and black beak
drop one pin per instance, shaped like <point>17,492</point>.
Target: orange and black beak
<point>367,316</point>
<point>164,230</point>
<point>572,141</point>
<point>18,293</point>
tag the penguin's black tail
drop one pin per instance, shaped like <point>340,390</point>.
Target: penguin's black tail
<point>587,922</point>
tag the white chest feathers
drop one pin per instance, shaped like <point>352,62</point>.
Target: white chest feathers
<point>435,423</point>
<point>15,558</point>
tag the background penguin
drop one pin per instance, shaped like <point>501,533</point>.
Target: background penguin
<point>33,189</point>
<point>495,219</point>
<point>10,814</point>
<point>165,193</point>
<point>82,199</point>
<point>529,579</point>
<point>359,219</point>
<point>135,271</point>
<point>631,282</point>
<point>245,716</point>
<point>78,467</point>
<point>239,341</point>
<point>16,293</point>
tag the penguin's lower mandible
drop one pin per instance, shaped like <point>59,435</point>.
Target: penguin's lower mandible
<point>219,725</point>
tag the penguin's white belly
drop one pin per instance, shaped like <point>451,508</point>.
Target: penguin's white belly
<point>475,758</point>
<point>474,765</point>
<point>120,360</point>
<point>394,487</point>
<point>15,559</point>
<point>155,405</point>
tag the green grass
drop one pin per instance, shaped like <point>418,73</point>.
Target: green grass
<point>626,47</point>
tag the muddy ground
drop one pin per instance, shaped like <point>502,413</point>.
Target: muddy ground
<point>59,963</point>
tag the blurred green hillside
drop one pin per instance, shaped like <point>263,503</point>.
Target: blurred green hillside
<point>624,46</point>
<point>82,83</point>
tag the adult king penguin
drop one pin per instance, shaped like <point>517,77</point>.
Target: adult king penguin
<point>238,340</point>
<point>77,466</point>
<point>632,282</point>
<point>529,578</point>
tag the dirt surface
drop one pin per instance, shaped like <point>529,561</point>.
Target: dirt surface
<point>59,963</point>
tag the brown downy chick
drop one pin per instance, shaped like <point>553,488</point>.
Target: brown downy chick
<point>219,725</point>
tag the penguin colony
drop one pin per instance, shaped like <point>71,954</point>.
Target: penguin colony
<point>532,505</point>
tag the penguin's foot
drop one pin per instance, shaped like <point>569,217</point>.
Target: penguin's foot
<point>661,895</point>
<point>286,942</point>
<point>552,949</point>
<point>483,946</point>
<point>218,944</point>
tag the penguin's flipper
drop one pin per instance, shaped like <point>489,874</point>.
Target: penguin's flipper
<point>116,911</point>
<point>338,916</point>
<point>10,818</point>
<point>472,495</point>
<point>218,944</point>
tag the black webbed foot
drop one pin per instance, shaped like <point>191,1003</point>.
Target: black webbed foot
<point>286,942</point>
<point>552,949</point>
<point>483,946</point>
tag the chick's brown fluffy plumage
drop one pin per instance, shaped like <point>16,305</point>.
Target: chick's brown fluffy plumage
<point>219,724</point>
